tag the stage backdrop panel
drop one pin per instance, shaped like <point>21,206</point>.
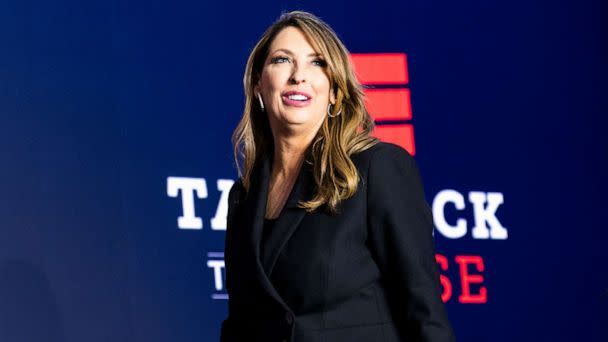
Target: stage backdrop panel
<point>115,124</point>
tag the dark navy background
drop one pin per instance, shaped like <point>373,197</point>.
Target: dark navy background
<point>101,101</point>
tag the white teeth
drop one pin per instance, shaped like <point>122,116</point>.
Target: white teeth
<point>298,97</point>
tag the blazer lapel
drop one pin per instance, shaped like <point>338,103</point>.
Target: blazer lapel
<point>286,225</point>
<point>258,193</point>
<point>289,219</point>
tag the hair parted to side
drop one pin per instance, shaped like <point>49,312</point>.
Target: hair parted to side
<point>338,138</point>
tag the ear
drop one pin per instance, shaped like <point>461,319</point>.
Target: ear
<point>332,96</point>
<point>257,87</point>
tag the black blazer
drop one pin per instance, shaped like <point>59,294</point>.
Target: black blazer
<point>367,273</point>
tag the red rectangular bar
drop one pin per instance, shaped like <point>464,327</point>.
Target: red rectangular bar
<point>380,68</point>
<point>388,104</point>
<point>400,134</point>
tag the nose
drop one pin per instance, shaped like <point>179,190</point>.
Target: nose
<point>297,75</point>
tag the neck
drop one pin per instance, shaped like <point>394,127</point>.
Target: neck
<point>288,158</point>
<point>289,154</point>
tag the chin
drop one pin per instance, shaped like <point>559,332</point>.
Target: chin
<point>297,118</point>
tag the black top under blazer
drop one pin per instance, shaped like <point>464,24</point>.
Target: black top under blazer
<point>367,273</point>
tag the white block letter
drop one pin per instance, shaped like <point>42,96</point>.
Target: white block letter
<point>218,222</point>
<point>439,202</point>
<point>487,215</point>
<point>188,186</point>
<point>217,266</point>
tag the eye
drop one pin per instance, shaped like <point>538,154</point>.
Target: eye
<point>279,59</point>
<point>320,62</point>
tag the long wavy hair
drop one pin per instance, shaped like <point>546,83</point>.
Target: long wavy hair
<point>338,138</point>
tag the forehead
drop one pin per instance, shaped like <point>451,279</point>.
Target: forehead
<point>292,39</point>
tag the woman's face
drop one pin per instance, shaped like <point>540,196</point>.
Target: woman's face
<point>294,85</point>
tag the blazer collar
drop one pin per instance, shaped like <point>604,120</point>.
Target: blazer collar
<point>287,223</point>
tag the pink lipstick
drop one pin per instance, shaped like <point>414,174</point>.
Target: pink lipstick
<point>296,98</point>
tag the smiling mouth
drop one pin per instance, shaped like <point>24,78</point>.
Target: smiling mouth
<point>296,99</point>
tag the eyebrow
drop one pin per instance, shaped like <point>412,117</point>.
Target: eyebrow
<point>313,54</point>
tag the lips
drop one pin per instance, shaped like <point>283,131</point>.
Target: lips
<point>296,98</point>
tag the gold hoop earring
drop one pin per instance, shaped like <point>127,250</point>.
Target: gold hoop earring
<point>329,111</point>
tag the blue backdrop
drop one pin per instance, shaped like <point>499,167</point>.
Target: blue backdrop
<point>104,104</point>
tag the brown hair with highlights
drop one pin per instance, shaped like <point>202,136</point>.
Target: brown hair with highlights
<point>338,138</point>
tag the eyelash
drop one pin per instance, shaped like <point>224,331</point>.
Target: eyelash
<point>275,60</point>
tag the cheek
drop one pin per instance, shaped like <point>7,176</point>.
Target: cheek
<point>322,82</point>
<point>322,90</point>
<point>274,79</point>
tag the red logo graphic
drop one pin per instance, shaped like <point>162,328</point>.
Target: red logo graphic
<point>387,98</point>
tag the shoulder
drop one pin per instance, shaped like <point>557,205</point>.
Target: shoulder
<point>383,154</point>
<point>235,198</point>
<point>236,191</point>
<point>391,171</point>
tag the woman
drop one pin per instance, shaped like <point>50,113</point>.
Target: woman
<point>329,237</point>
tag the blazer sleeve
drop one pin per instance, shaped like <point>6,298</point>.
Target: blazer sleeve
<point>400,235</point>
<point>227,330</point>
<point>234,199</point>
